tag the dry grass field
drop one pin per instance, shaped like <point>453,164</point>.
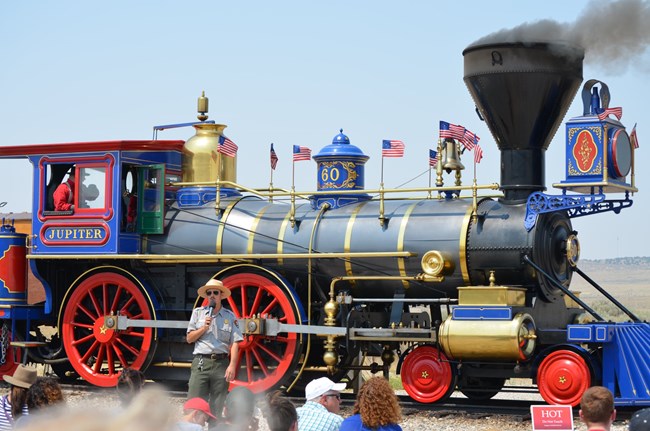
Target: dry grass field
<point>627,279</point>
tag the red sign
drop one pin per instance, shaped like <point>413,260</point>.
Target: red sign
<point>585,151</point>
<point>554,418</point>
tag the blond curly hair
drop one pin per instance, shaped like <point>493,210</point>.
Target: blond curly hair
<point>377,404</point>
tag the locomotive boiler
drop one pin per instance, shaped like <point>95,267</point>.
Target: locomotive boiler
<point>465,290</point>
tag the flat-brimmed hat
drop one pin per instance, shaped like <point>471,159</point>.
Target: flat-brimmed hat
<point>23,377</point>
<point>214,284</point>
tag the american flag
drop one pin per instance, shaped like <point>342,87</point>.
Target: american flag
<point>433,158</point>
<point>478,153</point>
<point>617,112</point>
<point>274,158</point>
<point>301,153</point>
<point>453,131</point>
<point>392,148</point>
<point>227,147</point>
<point>470,139</point>
<point>633,137</point>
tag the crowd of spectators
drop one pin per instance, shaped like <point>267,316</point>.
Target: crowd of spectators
<point>36,403</point>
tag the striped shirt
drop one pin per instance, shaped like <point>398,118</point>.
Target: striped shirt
<point>6,418</point>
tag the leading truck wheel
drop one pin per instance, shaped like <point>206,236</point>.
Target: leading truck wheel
<point>562,377</point>
<point>98,353</point>
<point>265,361</point>
<point>427,375</point>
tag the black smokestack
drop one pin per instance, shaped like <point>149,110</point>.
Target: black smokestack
<point>523,92</point>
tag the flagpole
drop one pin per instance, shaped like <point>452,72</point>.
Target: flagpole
<point>292,219</point>
<point>474,193</point>
<point>429,162</point>
<point>381,191</point>
<point>271,183</point>
<point>217,208</point>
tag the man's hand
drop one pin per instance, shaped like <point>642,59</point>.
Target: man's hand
<point>230,373</point>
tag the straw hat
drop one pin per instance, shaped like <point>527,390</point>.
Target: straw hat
<point>23,377</point>
<point>214,284</point>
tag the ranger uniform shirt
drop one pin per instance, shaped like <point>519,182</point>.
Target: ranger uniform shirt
<point>224,330</point>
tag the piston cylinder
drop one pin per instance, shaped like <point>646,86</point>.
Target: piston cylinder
<point>496,340</point>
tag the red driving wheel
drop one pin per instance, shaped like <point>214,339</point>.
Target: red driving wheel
<point>562,377</point>
<point>96,350</point>
<point>265,362</point>
<point>427,375</point>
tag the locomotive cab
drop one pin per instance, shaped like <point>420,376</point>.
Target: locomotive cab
<point>115,192</point>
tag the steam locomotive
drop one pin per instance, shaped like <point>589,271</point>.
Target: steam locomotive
<point>464,290</point>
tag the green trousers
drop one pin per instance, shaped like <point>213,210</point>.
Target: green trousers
<point>208,382</point>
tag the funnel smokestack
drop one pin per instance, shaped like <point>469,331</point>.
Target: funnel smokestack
<point>523,92</point>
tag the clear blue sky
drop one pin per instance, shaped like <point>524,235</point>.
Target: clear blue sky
<point>289,73</point>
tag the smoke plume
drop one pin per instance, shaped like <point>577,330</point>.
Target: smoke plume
<point>612,33</point>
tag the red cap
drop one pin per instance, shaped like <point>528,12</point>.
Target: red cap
<point>198,404</point>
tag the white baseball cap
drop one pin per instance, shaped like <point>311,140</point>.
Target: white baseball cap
<point>318,387</point>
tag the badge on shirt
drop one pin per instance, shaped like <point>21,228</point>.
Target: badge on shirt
<point>225,321</point>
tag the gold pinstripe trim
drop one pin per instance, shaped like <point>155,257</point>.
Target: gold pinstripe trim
<point>222,225</point>
<point>348,238</point>
<point>252,231</point>
<point>462,245</point>
<point>283,230</point>
<point>401,265</point>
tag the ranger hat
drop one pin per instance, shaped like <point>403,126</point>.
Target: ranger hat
<point>23,377</point>
<point>214,284</point>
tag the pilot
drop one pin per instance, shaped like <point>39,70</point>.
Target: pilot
<point>64,194</point>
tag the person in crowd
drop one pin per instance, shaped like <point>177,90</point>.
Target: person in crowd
<point>196,412</point>
<point>640,421</point>
<point>376,408</point>
<point>239,411</point>
<point>42,395</point>
<point>14,404</point>
<point>597,408</point>
<point>215,333</point>
<point>320,412</point>
<point>64,193</point>
<point>281,414</point>
<point>129,384</point>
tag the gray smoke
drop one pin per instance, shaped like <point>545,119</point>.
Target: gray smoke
<point>612,33</point>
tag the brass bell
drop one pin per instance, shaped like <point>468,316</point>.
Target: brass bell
<point>451,159</point>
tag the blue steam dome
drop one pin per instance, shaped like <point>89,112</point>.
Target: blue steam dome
<point>340,168</point>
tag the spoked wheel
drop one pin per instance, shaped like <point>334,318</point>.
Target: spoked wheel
<point>97,352</point>
<point>265,362</point>
<point>427,375</point>
<point>562,377</point>
<point>481,388</point>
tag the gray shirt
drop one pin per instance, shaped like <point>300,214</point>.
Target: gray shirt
<point>224,330</point>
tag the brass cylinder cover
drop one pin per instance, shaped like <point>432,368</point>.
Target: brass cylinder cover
<point>493,340</point>
<point>201,160</point>
<point>435,263</point>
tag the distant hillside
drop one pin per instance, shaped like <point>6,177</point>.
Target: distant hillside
<point>617,261</point>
